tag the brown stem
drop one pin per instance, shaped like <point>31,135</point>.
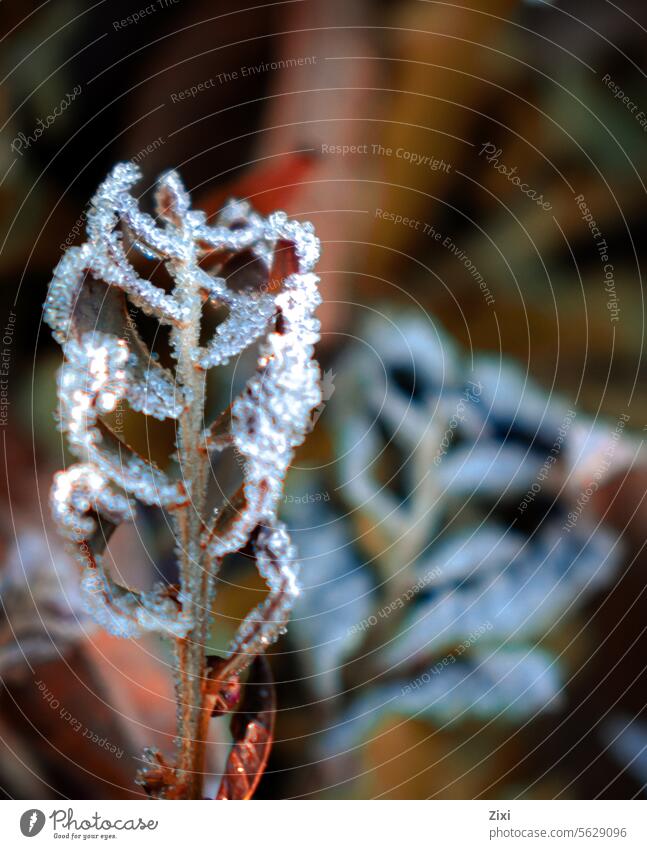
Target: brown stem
<point>193,566</point>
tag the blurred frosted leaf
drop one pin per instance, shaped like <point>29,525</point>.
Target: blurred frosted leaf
<point>507,683</point>
<point>468,482</point>
<point>337,594</point>
<point>520,596</point>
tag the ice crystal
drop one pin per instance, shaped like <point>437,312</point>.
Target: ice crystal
<point>107,365</point>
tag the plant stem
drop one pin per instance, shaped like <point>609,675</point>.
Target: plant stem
<point>193,568</point>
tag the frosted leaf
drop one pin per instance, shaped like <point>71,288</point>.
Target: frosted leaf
<point>89,308</point>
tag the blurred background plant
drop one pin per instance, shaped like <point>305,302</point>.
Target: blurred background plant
<point>476,179</point>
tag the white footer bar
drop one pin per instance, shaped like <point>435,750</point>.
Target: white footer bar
<point>299,824</point>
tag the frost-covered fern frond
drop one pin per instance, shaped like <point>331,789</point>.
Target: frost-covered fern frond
<point>469,543</point>
<point>107,366</point>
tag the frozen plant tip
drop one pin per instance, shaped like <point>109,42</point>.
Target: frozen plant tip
<point>108,366</point>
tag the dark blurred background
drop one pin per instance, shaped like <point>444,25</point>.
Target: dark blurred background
<point>384,123</point>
